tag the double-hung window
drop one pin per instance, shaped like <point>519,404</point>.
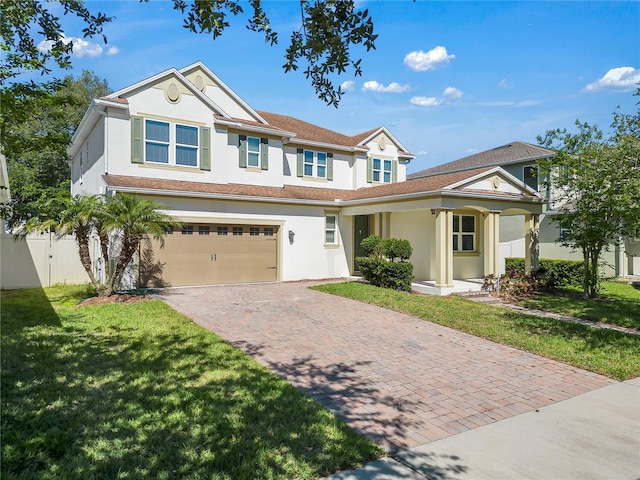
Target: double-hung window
<point>171,143</point>
<point>381,170</point>
<point>530,176</point>
<point>464,233</point>
<point>315,164</point>
<point>253,152</point>
<point>331,230</point>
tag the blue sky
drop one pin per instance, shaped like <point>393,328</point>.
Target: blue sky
<point>449,79</point>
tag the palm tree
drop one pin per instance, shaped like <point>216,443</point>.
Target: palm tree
<point>121,219</point>
<point>132,219</point>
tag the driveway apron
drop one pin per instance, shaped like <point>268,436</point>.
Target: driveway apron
<point>398,380</point>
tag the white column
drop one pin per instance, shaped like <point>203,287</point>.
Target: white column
<point>444,248</point>
<point>491,244</point>
<point>531,245</point>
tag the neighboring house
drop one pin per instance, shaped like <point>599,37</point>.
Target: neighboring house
<point>520,160</point>
<point>267,197</point>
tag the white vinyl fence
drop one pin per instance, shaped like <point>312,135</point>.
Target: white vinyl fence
<point>514,248</point>
<point>39,260</point>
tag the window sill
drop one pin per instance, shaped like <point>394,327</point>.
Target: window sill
<point>331,245</point>
<point>175,168</point>
<point>466,254</point>
<point>315,179</point>
<point>253,169</point>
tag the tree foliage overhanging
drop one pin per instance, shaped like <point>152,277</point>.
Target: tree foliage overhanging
<point>329,30</point>
<point>36,126</point>
<point>594,185</point>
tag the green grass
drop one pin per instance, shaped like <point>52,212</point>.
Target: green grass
<point>140,391</point>
<point>610,353</point>
<point>619,304</point>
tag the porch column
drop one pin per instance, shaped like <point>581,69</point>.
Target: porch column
<point>385,225</point>
<point>444,248</point>
<point>491,243</point>
<point>531,245</point>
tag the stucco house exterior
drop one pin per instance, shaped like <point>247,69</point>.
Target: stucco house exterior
<point>520,160</point>
<point>267,197</point>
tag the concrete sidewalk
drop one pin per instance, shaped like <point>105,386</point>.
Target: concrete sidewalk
<point>595,435</point>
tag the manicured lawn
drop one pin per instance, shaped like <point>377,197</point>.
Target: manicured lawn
<point>619,304</point>
<point>140,391</point>
<point>610,353</point>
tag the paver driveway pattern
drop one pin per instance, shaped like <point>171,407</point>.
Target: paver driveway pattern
<point>399,380</point>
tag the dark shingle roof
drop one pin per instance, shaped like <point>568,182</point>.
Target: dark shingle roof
<point>510,153</point>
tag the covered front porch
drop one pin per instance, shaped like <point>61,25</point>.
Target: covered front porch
<point>454,232</point>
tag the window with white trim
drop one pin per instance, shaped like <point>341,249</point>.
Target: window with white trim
<point>381,170</point>
<point>315,164</point>
<point>331,229</point>
<point>464,233</point>
<point>170,143</point>
<point>253,152</point>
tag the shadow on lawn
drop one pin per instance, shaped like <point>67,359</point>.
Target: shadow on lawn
<point>79,403</point>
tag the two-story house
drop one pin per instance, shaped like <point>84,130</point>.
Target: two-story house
<point>267,197</point>
<point>521,160</point>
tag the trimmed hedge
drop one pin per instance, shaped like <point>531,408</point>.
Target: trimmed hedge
<point>552,273</point>
<point>386,265</point>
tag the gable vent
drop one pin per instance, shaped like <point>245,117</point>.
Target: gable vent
<point>199,82</point>
<point>173,94</point>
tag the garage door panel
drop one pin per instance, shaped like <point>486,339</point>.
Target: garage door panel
<point>209,259</point>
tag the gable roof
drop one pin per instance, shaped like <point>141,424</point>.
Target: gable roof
<point>510,153</point>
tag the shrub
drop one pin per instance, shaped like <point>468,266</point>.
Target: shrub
<point>552,273</point>
<point>380,267</point>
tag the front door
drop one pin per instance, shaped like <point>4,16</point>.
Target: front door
<point>361,231</point>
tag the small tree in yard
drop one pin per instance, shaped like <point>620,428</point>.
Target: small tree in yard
<point>120,223</point>
<point>386,262</point>
<point>595,186</point>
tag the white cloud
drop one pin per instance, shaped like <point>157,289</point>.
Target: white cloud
<point>620,78</point>
<point>348,85</point>
<point>452,93</point>
<point>449,94</point>
<point>422,152</point>
<point>113,51</point>
<point>424,101</point>
<point>503,83</point>
<point>393,87</point>
<point>81,47</point>
<point>420,61</point>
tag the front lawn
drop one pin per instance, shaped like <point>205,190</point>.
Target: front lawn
<point>140,391</point>
<point>619,304</point>
<point>610,353</point>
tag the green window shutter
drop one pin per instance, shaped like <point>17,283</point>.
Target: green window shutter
<point>369,170</point>
<point>329,166</point>
<point>242,140</point>
<point>137,140</point>
<point>264,153</point>
<point>394,171</point>
<point>300,163</point>
<point>205,148</point>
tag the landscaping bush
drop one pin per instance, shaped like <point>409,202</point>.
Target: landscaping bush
<point>552,273</point>
<point>380,267</point>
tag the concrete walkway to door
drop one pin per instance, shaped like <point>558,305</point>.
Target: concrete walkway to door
<point>396,379</point>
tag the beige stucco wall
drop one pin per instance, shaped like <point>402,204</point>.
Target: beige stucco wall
<point>419,228</point>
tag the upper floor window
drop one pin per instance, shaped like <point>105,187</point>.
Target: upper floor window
<point>315,164</point>
<point>381,171</point>
<point>253,152</point>
<point>171,143</point>
<point>464,233</point>
<point>530,176</point>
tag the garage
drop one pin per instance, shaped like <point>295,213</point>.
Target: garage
<point>206,254</point>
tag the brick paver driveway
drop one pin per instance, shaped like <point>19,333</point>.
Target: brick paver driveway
<point>398,380</point>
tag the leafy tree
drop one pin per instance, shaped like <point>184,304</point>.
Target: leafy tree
<point>323,43</point>
<point>119,223</point>
<point>21,18</point>
<point>594,182</point>
<point>35,145</point>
